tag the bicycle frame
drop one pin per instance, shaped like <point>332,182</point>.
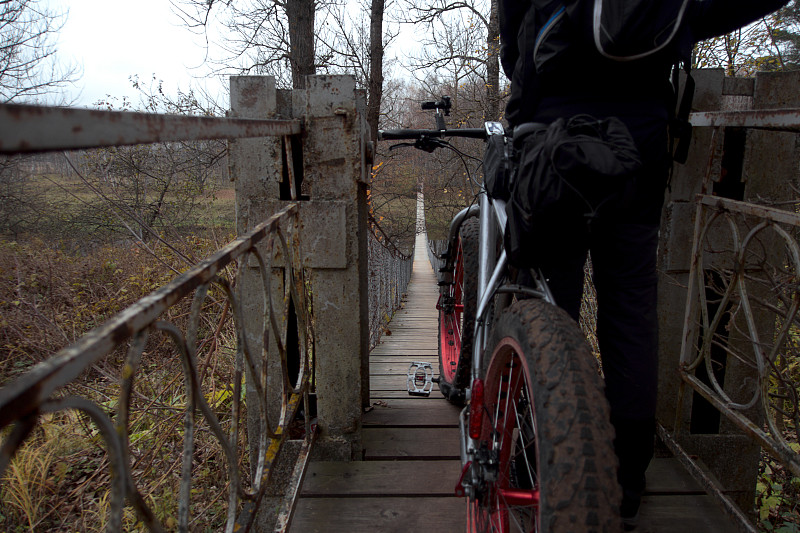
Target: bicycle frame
<point>492,272</point>
<point>507,387</point>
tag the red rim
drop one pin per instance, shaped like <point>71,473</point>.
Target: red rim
<point>511,503</point>
<point>450,322</point>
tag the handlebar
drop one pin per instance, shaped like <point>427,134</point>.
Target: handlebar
<point>412,134</point>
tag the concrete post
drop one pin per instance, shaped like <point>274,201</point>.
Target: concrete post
<point>335,165</point>
<point>330,161</point>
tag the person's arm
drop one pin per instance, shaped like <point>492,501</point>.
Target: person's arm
<point>512,13</point>
<point>712,18</point>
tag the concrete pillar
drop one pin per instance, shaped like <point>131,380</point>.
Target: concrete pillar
<point>330,165</point>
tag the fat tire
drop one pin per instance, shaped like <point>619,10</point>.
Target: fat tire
<point>578,489</point>
<point>468,237</point>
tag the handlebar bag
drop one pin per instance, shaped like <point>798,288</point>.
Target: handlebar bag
<point>568,170</point>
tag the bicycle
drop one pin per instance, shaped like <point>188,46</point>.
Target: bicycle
<point>536,441</point>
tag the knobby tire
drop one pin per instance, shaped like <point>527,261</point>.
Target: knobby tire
<point>457,318</point>
<point>546,415</point>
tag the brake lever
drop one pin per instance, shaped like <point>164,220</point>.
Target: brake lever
<point>399,145</point>
<point>428,144</point>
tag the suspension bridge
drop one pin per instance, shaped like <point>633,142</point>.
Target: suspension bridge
<point>308,391</point>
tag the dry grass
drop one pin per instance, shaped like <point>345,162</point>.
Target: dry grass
<point>59,480</point>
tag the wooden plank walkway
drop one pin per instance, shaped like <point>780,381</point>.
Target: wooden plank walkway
<point>411,459</point>
<point>411,464</point>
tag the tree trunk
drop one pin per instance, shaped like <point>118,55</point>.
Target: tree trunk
<point>300,15</point>
<point>493,64</point>
<point>375,67</point>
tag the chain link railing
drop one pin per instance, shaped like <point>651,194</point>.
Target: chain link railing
<point>435,251</point>
<point>389,274</point>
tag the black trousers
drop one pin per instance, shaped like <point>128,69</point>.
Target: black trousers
<point>623,260</point>
<point>622,242</point>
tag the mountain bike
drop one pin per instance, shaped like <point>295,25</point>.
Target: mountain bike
<point>536,441</point>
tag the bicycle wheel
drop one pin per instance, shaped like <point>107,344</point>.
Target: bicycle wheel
<point>549,462</point>
<point>457,316</point>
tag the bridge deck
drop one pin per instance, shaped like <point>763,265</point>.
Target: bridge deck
<point>411,465</point>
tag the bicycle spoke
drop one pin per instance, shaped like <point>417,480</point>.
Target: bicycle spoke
<point>525,422</point>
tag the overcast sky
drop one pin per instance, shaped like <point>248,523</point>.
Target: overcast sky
<point>112,40</point>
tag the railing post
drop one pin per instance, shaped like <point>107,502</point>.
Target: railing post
<point>329,166</point>
<point>255,168</point>
<point>336,170</point>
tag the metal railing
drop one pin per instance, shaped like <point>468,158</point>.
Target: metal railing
<point>742,312</point>
<point>435,250</point>
<point>41,390</point>
<point>389,274</point>
<point>749,279</point>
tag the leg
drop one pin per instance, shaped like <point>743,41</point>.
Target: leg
<point>624,260</point>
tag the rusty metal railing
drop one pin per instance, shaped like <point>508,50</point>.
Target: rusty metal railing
<point>742,306</point>
<point>271,244</point>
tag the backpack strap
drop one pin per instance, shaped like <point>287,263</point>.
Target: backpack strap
<point>680,130</point>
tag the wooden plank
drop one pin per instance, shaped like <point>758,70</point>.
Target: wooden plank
<point>405,350</point>
<point>410,412</point>
<point>379,515</point>
<point>668,513</point>
<point>377,383</point>
<point>397,393</point>
<point>420,338</point>
<point>423,335</point>
<point>404,358</point>
<point>382,478</point>
<point>401,443</point>
<point>666,475</point>
<point>396,382</point>
<point>397,368</point>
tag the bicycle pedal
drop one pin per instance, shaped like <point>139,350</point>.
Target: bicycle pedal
<point>420,379</point>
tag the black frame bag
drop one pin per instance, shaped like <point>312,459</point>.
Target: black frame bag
<point>567,170</point>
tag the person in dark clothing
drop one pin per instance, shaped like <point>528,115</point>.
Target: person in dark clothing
<point>623,238</point>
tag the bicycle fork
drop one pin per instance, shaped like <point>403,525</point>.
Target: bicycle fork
<point>478,464</point>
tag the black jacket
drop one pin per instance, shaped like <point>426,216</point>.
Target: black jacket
<point>583,73</point>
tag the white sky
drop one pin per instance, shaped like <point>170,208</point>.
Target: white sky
<point>113,40</point>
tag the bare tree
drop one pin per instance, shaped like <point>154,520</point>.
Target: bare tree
<point>146,190</point>
<point>268,37</point>
<point>463,37</point>
<point>356,45</point>
<point>28,65</point>
<point>376,51</point>
<point>767,44</point>
<point>292,39</point>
